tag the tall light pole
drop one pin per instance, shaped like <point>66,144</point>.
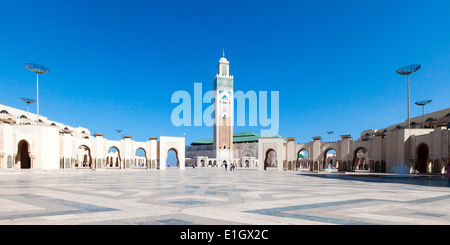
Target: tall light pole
<point>423,103</point>
<point>118,133</point>
<point>406,70</point>
<point>28,101</point>
<point>329,135</point>
<point>38,69</point>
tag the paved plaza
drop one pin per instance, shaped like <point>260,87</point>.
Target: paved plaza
<point>210,196</point>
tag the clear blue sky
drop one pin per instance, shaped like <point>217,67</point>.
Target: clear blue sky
<point>115,64</point>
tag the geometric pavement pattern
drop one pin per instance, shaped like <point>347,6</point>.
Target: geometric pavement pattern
<point>213,196</point>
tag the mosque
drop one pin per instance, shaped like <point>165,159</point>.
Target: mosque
<point>421,147</point>
<point>31,142</point>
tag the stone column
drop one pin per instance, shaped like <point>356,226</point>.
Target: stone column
<point>127,152</point>
<point>290,153</point>
<point>346,154</point>
<point>316,151</point>
<point>99,150</point>
<point>378,149</point>
<point>153,152</point>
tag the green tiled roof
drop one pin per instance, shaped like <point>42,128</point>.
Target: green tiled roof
<point>202,142</point>
<point>237,137</point>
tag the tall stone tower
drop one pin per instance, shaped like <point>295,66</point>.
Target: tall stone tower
<point>223,113</point>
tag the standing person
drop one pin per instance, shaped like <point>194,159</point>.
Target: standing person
<point>226,165</point>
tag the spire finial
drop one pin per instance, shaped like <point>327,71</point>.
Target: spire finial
<point>223,52</point>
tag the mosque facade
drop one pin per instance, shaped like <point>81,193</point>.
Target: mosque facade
<point>421,147</point>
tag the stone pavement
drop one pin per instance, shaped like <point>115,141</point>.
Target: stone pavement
<point>213,196</point>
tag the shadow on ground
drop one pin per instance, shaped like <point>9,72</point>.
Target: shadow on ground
<point>412,179</point>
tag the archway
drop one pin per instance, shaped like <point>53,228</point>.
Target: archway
<point>113,157</point>
<point>172,158</point>
<point>23,155</point>
<point>302,159</point>
<point>140,158</point>
<point>360,159</point>
<point>330,158</point>
<point>84,159</point>
<point>270,160</point>
<point>422,158</point>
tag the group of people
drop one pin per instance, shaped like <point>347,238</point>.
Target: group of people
<point>232,166</point>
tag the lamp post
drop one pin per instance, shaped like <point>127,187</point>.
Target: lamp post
<point>406,70</point>
<point>28,101</point>
<point>118,133</point>
<point>423,103</point>
<point>329,135</point>
<point>38,69</point>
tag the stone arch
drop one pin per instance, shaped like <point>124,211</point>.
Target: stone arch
<point>270,159</point>
<point>113,160</point>
<point>23,154</point>
<point>139,160</point>
<point>302,159</point>
<point>247,153</point>
<point>84,159</point>
<point>422,158</point>
<point>330,160</point>
<point>360,161</point>
<point>175,144</point>
<point>176,155</point>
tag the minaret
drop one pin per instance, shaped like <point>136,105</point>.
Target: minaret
<point>223,112</point>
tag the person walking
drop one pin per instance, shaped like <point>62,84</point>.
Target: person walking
<point>226,165</point>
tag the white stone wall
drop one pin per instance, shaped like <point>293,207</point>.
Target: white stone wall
<point>53,145</point>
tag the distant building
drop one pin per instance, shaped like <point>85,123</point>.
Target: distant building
<point>244,154</point>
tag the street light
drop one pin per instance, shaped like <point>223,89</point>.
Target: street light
<point>118,133</point>
<point>37,69</point>
<point>329,134</point>
<point>28,101</point>
<point>406,70</point>
<point>423,103</point>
